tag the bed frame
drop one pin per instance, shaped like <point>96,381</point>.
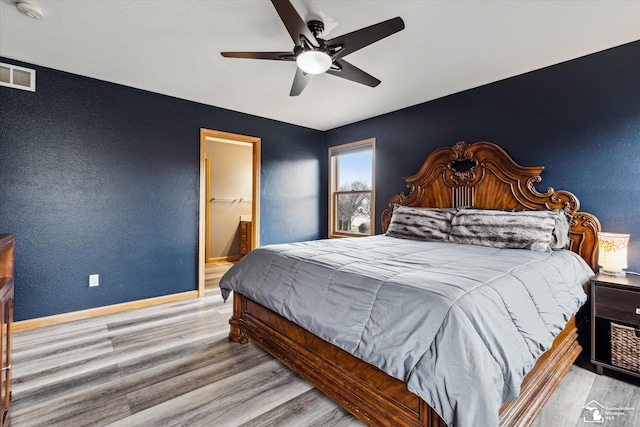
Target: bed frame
<point>481,175</point>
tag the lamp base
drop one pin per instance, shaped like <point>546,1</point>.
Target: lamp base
<point>620,273</point>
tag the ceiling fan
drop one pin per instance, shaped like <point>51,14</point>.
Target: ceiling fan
<point>314,55</point>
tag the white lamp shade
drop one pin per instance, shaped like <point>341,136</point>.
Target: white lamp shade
<point>612,253</point>
<point>313,62</point>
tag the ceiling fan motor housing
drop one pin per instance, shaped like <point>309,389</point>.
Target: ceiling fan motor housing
<point>316,27</point>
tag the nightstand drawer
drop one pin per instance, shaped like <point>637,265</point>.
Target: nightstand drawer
<point>617,304</point>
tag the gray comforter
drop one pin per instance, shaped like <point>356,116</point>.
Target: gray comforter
<point>461,325</point>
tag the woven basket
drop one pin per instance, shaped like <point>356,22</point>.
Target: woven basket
<point>625,347</point>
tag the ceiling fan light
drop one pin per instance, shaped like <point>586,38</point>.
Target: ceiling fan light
<point>314,62</point>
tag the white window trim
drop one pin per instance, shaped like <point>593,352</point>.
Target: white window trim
<point>332,183</point>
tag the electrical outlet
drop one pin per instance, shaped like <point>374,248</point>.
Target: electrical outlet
<point>94,280</point>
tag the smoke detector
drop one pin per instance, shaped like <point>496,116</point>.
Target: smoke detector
<point>30,10</point>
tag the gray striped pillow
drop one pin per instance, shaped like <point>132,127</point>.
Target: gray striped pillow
<point>417,223</point>
<point>504,229</point>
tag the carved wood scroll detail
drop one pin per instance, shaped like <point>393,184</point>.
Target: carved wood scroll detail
<point>490,179</point>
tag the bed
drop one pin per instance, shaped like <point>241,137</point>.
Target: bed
<point>479,175</point>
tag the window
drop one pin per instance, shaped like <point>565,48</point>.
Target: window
<point>351,189</point>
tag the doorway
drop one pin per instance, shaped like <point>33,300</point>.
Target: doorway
<point>218,234</point>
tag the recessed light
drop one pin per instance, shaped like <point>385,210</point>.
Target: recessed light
<point>30,10</point>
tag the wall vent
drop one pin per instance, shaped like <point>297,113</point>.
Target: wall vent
<point>17,77</point>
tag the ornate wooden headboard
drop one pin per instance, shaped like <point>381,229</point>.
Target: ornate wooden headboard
<point>484,175</point>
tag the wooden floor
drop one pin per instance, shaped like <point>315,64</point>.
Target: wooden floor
<point>213,272</point>
<point>172,365</point>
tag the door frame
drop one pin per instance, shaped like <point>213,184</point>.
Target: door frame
<point>204,203</point>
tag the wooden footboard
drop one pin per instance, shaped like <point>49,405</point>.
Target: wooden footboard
<point>370,394</point>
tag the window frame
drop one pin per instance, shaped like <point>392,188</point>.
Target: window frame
<point>334,153</point>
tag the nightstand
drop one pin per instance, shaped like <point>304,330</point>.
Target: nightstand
<point>615,323</point>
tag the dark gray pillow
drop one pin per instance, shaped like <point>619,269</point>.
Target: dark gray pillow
<point>505,229</point>
<point>417,223</point>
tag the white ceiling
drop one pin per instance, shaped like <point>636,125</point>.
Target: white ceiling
<point>173,47</point>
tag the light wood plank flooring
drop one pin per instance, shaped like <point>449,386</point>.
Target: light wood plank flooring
<point>172,365</point>
<point>213,272</point>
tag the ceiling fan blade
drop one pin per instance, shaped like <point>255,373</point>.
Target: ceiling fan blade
<point>279,56</point>
<point>365,36</point>
<point>353,73</point>
<point>294,22</point>
<point>300,81</point>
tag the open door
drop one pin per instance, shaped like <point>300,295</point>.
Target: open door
<point>225,201</point>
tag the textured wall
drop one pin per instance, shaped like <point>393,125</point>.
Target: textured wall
<point>101,178</point>
<point>580,119</point>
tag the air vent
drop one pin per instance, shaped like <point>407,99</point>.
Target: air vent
<point>17,77</point>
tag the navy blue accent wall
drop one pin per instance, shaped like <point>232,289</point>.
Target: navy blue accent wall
<point>580,119</point>
<point>101,178</point>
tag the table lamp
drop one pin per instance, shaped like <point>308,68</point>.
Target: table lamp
<point>612,253</point>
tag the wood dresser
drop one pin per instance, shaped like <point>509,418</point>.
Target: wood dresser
<point>7,251</point>
<point>245,237</point>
